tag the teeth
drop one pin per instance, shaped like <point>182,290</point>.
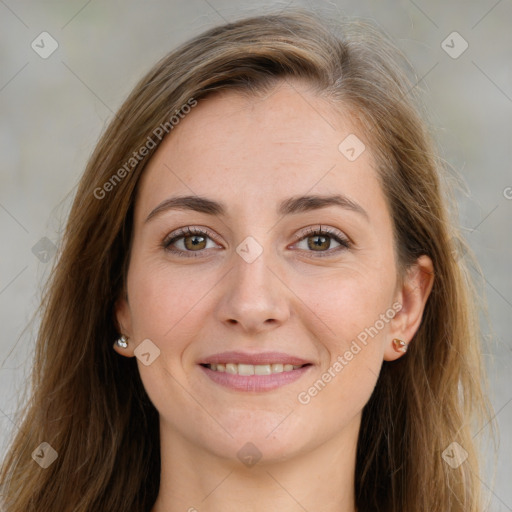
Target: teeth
<point>262,369</point>
<point>245,369</point>
<point>231,368</point>
<point>253,369</point>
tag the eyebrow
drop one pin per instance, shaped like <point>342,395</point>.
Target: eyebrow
<point>289,206</point>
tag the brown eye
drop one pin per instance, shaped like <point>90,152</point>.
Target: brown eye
<point>188,240</point>
<point>319,242</point>
<point>194,242</point>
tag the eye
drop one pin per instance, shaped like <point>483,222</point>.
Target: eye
<point>320,240</point>
<point>188,240</point>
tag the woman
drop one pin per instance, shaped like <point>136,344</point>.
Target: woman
<point>292,328</point>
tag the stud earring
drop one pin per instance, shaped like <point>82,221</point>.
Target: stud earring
<point>399,345</point>
<point>122,341</point>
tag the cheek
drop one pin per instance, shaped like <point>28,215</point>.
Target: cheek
<point>347,304</point>
<point>352,358</point>
<point>352,310</point>
<point>164,300</point>
<point>166,307</point>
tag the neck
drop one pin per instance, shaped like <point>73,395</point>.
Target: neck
<point>195,480</point>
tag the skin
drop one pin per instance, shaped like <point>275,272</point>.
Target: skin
<point>250,153</point>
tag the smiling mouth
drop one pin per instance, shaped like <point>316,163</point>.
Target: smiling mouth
<point>253,369</point>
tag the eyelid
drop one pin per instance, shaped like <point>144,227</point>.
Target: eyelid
<point>319,230</point>
<point>315,229</point>
<point>183,233</point>
<point>190,230</point>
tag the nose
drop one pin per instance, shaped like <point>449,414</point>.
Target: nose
<point>253,296</point>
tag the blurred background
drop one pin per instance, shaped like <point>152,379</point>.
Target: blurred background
<point>65,68</point>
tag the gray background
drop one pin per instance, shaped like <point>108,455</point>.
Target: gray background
<point>52,111</point>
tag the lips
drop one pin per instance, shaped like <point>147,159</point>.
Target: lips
<point>254,372</point>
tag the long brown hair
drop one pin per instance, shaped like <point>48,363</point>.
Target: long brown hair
<point>89,404</point>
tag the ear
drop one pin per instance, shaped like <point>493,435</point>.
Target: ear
<point>412,294</point>
<point>124,321</point>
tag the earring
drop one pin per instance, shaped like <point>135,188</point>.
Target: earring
<point>122,341</point>
<point>399,345</point>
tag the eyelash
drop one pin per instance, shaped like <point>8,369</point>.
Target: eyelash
<point>191,231</point>
<point>331,233</point>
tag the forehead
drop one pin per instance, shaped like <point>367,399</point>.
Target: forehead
<point>278,144</point>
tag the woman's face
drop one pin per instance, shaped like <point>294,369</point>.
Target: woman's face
<point>255,284</point>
